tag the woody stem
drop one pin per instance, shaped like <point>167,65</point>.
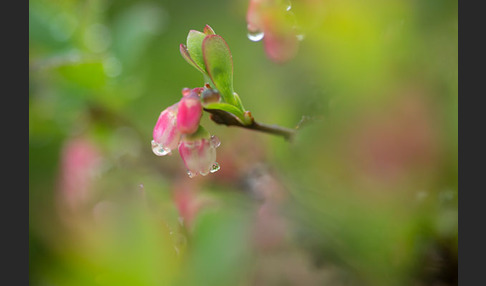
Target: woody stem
<point>228,119</point>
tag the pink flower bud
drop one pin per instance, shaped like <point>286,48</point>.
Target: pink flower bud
<point>189,113</point>
<point>166,134</point>
<point>199,154</point>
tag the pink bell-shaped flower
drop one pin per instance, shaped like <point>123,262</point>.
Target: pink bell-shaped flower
<point>198,151</point>
<point>166,135</point>
<point>189,112</point>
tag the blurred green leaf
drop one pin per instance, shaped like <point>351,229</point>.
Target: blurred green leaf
<point>89,74</point>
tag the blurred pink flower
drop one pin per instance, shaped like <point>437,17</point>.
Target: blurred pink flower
<point>80,160</point>
<point>397,142</point>
<point>187,202</point>
<point>190,201</point>
<point>272,21</point>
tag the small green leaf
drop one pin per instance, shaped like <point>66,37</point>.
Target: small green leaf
<point>185,54</point>
<point>194,47</point>
<point>238,101</point>
<point>228,108</point>
<point>219,65</point>
<point>208,30</point>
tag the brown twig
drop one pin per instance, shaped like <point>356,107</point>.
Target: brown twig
<point>228,119</point>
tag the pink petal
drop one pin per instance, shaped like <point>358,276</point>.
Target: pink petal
<point>189,114</point>
<point>165,133</point>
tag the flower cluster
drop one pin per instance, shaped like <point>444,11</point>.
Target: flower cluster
<point>178,127</point>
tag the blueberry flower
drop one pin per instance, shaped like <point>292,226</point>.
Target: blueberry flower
<point>166,135</point>
<point>198,151</point>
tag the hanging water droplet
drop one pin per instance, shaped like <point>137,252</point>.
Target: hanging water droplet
<point>215,142</point>
<point>160,150</point>
<point>300,37</point>
<point>191,174</point>
<point>203,173</point>
<point>255,36</point>
<point>215,167</point>
<point>288,5</point>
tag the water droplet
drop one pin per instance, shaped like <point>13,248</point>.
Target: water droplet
<point>300,37</point>
<point>160,150</point>
<point>215,142</point>
<point>186,91</point>
<point>255,36</point>
<point>288,5</point>
<point>191,174</point>
<point>215,167</point>
<point>204,173</point>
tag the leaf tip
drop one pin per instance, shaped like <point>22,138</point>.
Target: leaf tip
<point>208,30</point>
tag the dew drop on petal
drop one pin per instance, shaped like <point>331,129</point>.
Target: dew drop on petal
<point>204,173</point>
<point>215,167</point>
<point>255,36</point>
<point>215,142</point>
<point>186,91</point>
<point>191,174</point>
<point>160,150</point>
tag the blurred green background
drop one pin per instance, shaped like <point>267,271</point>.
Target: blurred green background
<point>366,194</point>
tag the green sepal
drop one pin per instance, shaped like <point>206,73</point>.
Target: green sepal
<point>201,133</point>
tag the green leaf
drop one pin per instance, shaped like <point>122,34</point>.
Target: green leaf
<point>88,74</point>
<point>219,65</point>
<point>228,108</point>
<point>185,54</point>
<point>194,47</point>
<point>208,30</point>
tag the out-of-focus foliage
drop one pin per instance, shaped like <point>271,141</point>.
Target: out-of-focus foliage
<point>366,194</point>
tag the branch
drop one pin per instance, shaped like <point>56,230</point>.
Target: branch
<point>228,119</point>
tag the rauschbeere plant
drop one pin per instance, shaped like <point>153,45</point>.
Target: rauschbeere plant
<point>179,126</point>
